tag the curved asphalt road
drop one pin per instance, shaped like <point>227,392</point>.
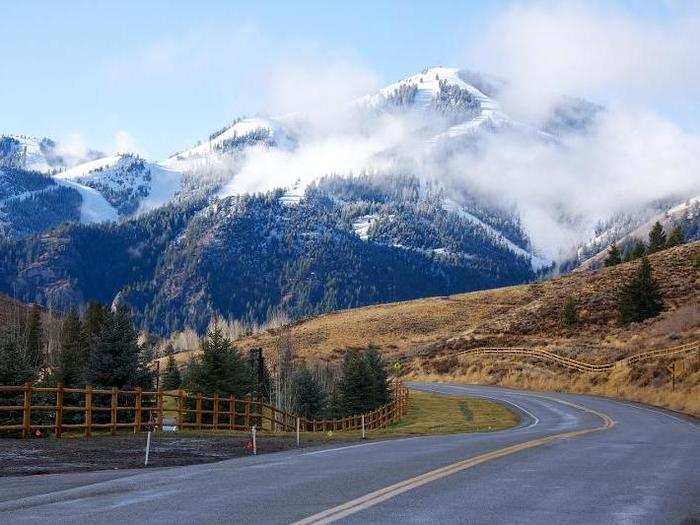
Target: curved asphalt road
<point>613,462</point>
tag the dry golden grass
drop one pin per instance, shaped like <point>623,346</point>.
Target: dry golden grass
<point>425,333</point>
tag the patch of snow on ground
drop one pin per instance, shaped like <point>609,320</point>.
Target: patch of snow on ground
<point>362,224</point>
<point>536,262</point>
<point>94,207</point>
<point>293,196</point>
<point>165,183</point>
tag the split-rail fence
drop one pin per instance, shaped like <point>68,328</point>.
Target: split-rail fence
<point>88,410</point>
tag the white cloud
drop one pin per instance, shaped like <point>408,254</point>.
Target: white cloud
<point>125,143</point>
<point>547,49</point>
<point>561,191</point>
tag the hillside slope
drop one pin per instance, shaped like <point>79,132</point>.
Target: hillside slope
<point>516,315</point>
<point>426,334</point>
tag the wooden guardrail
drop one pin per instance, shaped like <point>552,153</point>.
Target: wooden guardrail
<point>582,366</point>
<point>59,409</point>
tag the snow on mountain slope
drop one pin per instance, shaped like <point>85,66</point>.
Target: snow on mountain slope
<point>43,155</point>
<point>94,207</point>
<point>536,262</point>
<point>127,182</point>
<point>684,213</point>
<point>243,132</point>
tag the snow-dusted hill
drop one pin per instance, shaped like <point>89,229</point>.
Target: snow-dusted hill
<point>34,154</point>
<point>626,233</point>
<point>127,183</point>
<point>241,134</point>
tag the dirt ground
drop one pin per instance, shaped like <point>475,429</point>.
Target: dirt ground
<point>125,451</point>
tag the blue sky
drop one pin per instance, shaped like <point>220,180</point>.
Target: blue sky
<point>161,76</point>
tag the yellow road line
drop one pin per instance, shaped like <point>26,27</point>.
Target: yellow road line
<point>378,496</point>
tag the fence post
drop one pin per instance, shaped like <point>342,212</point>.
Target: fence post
<point>161,415</point>
<point>198,413</point>
<point>113,410</point>
<point>137,411</point>
<point>232,412</point>
<point>363,427</point>
<point>88,411</point>
<point>27,410</point>
<point>215,415</point>
<point>58,423</point>
<point>180,410</point>
<point>297,431</point>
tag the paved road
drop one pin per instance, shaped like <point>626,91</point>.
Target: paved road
<point>612,462</point>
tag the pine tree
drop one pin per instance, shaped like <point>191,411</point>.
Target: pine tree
<point>309,397</point>
<point>219,368</point>
<point>14,367</point>
<point>640,298</point>
<point>33,345</point>
<point>94,321</point>
<point>676,237</point>
<point>116,358</point>
<point>657,238</point>
<point>355,384</point>
<point>72,359</point>
<point>613,257</point>
<point>171,378</point>
<point>379,393</point>
<point>569,314</point>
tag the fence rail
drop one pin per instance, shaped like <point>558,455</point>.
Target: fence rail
<point>582,366</point>
<point>60,409</point>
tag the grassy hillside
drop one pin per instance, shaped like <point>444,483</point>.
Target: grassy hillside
<point>426,334</point>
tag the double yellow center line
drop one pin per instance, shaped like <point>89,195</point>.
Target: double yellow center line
<point>378,496</point>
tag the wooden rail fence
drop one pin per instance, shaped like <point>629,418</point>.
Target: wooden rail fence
<point>59,409</point>
<point>582,366</point>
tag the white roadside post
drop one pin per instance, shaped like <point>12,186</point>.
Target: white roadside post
<point>148,448</point>
<point>363,426</point>
<point>255,445</point>
<point>297,431</point>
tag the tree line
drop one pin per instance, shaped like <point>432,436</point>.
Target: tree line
<point>358,384</point>
<point>658,240</point>
<point>100,347</point>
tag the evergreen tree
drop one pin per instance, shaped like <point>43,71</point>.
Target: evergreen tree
<point>309,397</point>
<point>676,237</point>
<point>657,238</point>
<point>116,358</point>
<point>379,393</point>
<point>637,250</point>
<point>613,257</point>
<point>15,369</point>
<point>355,384</point>
<point>219,368</point>
<point>72,359</point>
<point>94,320</point>
<point>640,298</point>
<point>569,314</point>
<point>171,378</point>
<point>33,345</point>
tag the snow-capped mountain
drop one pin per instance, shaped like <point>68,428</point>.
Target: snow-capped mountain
<point>101,190</point>
<point>241,134</point>
<point>450,99</point>
<point>34,154</point>
<point>127,183</point>
<point>286,213</point>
